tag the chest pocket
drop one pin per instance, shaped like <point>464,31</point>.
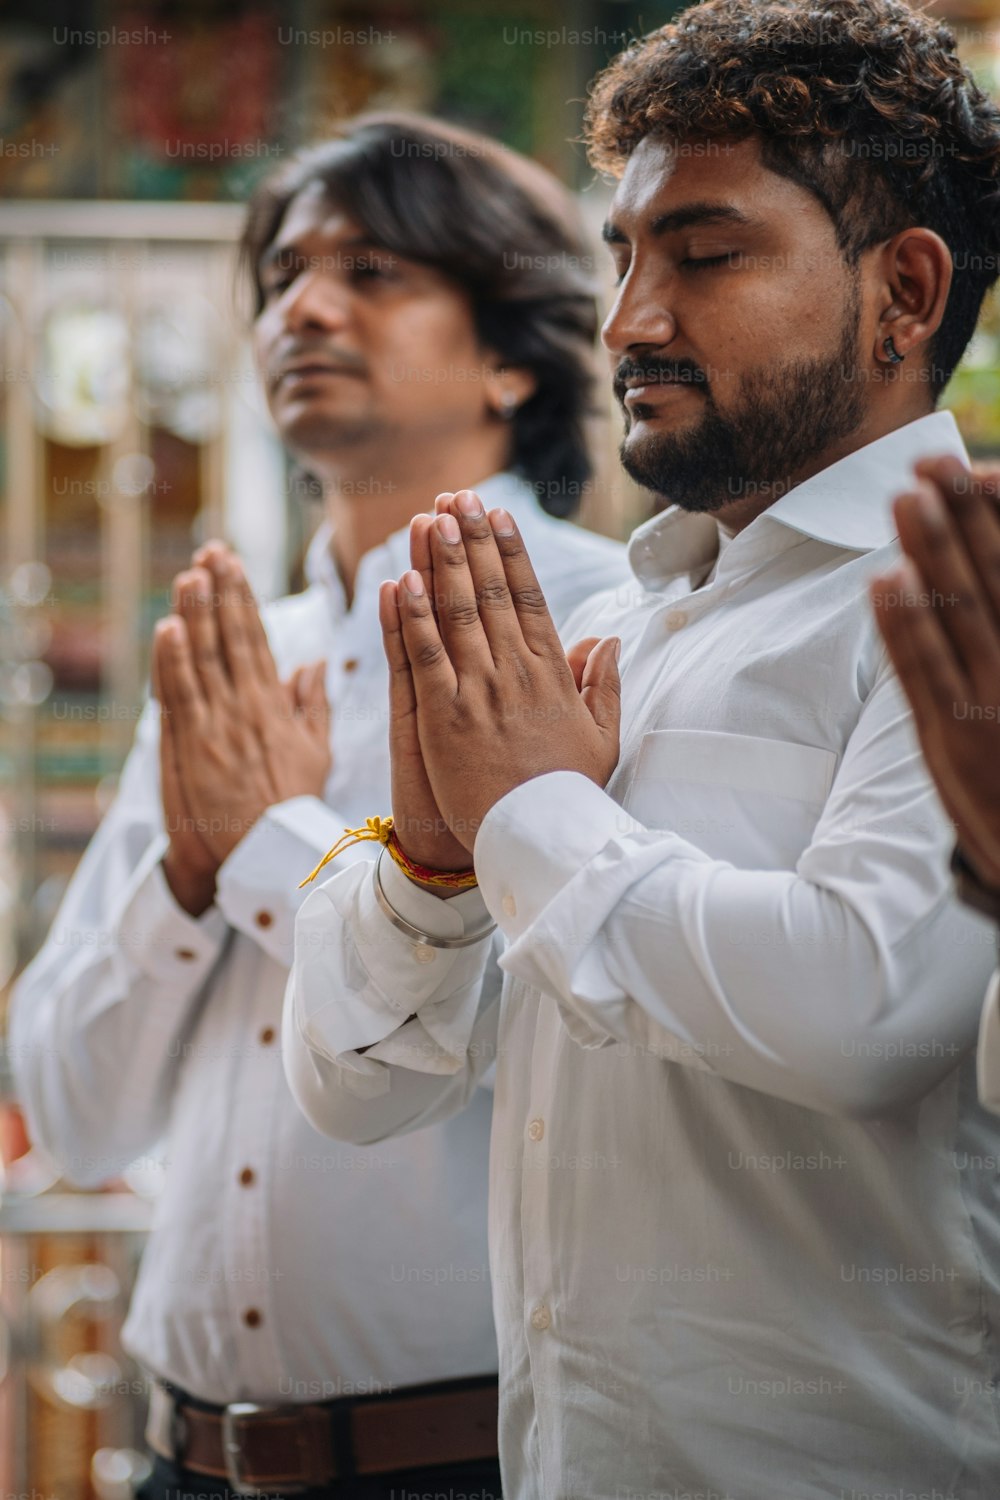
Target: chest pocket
<point>751,801</point>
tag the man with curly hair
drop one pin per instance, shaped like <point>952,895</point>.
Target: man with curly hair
<point>744,1223</point>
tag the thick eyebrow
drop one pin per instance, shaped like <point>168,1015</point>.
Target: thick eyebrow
<point>291,251</point>
<point>683,218</point>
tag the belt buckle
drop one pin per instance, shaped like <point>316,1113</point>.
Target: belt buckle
<point>232,1447</point>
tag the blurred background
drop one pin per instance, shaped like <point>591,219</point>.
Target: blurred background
<point>131,429</point>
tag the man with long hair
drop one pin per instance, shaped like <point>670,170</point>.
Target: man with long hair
<point>313,1318</point>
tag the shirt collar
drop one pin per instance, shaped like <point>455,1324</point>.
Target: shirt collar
<point>848,504</point>
<point>392,556</point>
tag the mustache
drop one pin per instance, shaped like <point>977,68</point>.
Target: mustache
<point>308,349</point>
<point>653,370</point>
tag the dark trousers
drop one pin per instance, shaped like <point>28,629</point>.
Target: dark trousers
<point>480,1481</point>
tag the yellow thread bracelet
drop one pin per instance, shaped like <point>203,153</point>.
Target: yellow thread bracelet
<point>380,830</point>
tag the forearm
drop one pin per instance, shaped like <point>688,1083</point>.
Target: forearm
<point>98,1018</point>
<point>773,979</point>
<point>381,1035</point>
<point>363,1107</point>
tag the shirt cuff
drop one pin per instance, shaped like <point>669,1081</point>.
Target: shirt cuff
<point>988,1054</point>
<point>438,916</point>
<point>163,940</point>
<point>359,982</point>
<point>536,839</point>
<point>257,888</point>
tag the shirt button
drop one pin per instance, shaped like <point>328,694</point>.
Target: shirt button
<point>536,1130</point>
<point>185,954</point>
<point>509,906</point>
<point>263,918</point>
<point>422,954</point>
<point>540,1317</point>
<point>351,664</point>
<point>253,1317</point>
<point>676,619</point>
<point>266,1036</point>
<point>248,1177</point>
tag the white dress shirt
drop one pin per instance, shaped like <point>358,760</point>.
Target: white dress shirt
<point>281,1268</point>
<point>744,1214</point>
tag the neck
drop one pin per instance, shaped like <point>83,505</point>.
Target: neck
<point>738,515</point>
<point>366,502</point>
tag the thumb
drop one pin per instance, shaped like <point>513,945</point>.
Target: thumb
<point>309,687</point>
<point>577,657</point>
<point>601,688</point>
<point>319,704</point>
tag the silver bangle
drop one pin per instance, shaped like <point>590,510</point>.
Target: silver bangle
<point>416,934</point>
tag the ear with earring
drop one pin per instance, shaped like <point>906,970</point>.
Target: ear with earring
<point>508,406</point>
<point>892,354</point>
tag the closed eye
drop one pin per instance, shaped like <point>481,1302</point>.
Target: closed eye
<point>276,287</point>
<point>708,260</point>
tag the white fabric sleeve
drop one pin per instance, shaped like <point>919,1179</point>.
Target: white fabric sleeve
<point>423,1018</point>
<point>257,889</point>
<point>96,1020</point>
<point>849,983</point>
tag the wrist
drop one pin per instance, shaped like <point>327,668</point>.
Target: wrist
<point>443,873</point>
<point>193,890</point>
<point>431,845</point>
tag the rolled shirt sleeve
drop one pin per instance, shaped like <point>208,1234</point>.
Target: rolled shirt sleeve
<point>424,1017</point>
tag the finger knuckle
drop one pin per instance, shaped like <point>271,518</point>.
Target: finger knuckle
<point>493,593</point>
<point>463,614</point>
<point>429,653</point>
<point>530,600</point>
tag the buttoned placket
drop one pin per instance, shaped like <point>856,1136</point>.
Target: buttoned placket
<point>252,1252</point>
<point>540,1311</point>
<point>677,606</point>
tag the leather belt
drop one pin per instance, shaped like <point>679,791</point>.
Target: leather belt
<point>299,1447</point>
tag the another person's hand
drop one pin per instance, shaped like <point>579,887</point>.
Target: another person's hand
<point>243,740</point>
<point>497,702</point>
<point>939,612</point>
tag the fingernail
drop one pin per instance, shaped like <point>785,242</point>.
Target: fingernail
<point>448,529</point>
<point>469,503</point>
<point>618,649</point>
<point>502,522</point>
<point>413,583</point>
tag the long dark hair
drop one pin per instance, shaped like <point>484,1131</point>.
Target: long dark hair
<point>498,225</point>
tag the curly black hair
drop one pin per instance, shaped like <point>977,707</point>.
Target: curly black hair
<point>864,103</point>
